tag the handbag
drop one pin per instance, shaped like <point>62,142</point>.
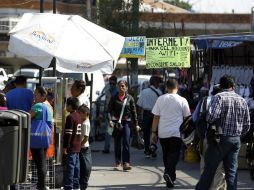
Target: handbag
<point>137,141</point>
<point>41,131</point>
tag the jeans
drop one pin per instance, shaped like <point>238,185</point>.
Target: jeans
<point>71,177</point>
<point>85,167</point>
<point>227,151</point>
<point>219,182</point>
<point>39,157</point>
<point>122,144</point>
<point>147,125</point>
<point>107,137</point>
<point>171,148</point>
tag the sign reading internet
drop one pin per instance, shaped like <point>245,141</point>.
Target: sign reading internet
<point>134,47</point>
<point>168,52</point>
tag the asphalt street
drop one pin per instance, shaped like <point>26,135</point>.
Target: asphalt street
<point>146,173</point>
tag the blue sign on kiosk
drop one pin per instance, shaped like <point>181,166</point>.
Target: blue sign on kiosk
<point>134,47</point>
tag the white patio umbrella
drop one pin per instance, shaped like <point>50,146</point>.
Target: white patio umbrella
<point>77,44</point>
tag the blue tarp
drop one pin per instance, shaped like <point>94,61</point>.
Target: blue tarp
<point>221,42</point>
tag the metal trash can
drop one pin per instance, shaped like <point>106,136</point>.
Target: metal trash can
<point>25,144</point>
<point>10,146</point>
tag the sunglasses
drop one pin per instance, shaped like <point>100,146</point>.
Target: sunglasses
<point>112,83</point>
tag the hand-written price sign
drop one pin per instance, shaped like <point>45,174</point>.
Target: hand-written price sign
<point>134,47</point>
<point>168,52</point>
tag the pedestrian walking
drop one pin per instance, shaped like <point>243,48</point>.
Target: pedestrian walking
<point>146,102</point>
<point>229,112</point>
<point>112,91</point>
<point>169,111</point>
<point>199,117</point>
<point>85,157</point>
<point>72,145</point>
<point>122,112</point>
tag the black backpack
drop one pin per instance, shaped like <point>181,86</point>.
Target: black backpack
<point>201,123</point>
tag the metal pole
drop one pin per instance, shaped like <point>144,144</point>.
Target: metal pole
<point>252,19</point>
<point>41,6</point>
<point>54,59</point>
<point>54,6</point>
<point>41,11</point>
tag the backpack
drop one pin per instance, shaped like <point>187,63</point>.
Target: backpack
<point>201,123</point>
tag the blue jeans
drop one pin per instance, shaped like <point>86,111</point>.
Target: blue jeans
<point>107,135</point>
<point>227,151</point>
<point>122,144</point>
<point>146,126</point>
<point>85,167</point>
<point>171,148</point>
<point>71,177</point>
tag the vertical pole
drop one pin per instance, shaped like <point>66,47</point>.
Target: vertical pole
<point>54,59</point>
<point>41,6</point>
<point>252,19</point>
<point>134,61</point>
<point>88,9</point>
<point>41,11</point>
<point>54,6</point>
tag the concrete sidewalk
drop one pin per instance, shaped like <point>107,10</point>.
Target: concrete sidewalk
<point>146,173</point>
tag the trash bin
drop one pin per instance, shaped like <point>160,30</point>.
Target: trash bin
<point>10,146</point>
<point>25,144</point>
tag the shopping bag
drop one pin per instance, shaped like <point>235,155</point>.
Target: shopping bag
<point>137,141</point>
<point>40,135</point>
<point>41,131</point>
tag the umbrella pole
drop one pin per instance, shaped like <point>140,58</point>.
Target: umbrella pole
<point>54,66</point>
<point>41,6</point>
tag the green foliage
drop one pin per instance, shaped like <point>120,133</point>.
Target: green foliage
<point>119,16</point>
<point>179,3</point>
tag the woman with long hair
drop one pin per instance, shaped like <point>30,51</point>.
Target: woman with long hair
<point>122,119</point>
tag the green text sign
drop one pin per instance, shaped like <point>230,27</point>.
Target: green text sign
<point>168,52</point>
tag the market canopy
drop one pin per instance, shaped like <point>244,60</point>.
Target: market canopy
<point>77,44</point>
<point>221,42</point>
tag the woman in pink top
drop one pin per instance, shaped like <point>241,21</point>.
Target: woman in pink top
<point>2,102</point>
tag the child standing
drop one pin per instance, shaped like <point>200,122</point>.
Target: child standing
<point>72,145</point>
<point>85,152</point>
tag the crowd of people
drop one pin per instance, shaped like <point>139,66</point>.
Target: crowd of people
<point>223,113</point>
<point>161,115</point>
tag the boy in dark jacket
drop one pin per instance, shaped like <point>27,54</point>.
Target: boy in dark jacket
<point>72,145</point>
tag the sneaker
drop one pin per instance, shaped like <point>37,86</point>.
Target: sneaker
<point>117,167</point>
<point>126,167</point>
<point>168,180</point>
<point>105,151</point>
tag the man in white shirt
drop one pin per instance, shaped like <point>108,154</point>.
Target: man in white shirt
<point>169,111</point>
<point>146,102</point>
